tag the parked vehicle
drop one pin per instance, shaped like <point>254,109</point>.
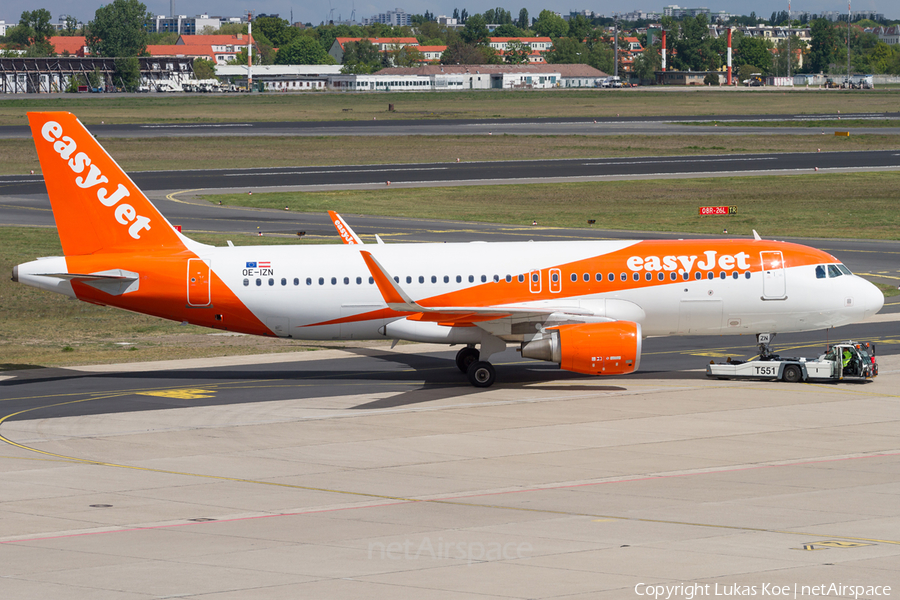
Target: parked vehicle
<point>847,360</point>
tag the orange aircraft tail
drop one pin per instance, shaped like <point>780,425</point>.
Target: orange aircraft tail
<point>96,205</point>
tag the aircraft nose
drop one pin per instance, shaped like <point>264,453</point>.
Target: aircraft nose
<point>873,300</point>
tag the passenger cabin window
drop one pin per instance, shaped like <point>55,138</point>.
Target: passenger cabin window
<point>246,282</point>
<point>574,277</point>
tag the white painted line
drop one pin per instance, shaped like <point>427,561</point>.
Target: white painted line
<point>391,170</point>
<point>656,162</point>
<point>206,125</point>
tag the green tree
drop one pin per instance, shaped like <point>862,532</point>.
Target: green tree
<point>567,50</point>
<point>127,73</point>
<point>278,31</point>
<point>70,26</point>
<point>39,23</point>
<point>119,29</point>
<point>516,53</point>
<point>694,50</point>
<point>204,69</point>
<point>648,62</point>
<point>497,16</point>
<point>780,60</point>
<point>476,32</point>
<point>19,37</point>
<point>508,30</point>
<point>460,53</point>
<point>602,57</point>
<point>753,51</point>
<point>879,59</point>
<point>551,24</point>
<point>303,50</point>
<point>744,72</point>
<point>580,28</point>
<point>361,57</point>
<point>524,22</point>
<point>823,46</point>
<point>406,56</point>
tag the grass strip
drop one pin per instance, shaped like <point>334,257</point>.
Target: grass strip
<point>482,104</point>
<point>18,156</point>
<point>853,205</point>
<point>818,123</point>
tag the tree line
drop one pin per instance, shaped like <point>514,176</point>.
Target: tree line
<point>122,29</point>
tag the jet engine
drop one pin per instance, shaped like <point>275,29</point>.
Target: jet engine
<point>612,348</point>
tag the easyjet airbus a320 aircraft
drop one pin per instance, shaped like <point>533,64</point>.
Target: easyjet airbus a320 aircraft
<point>583,305</point>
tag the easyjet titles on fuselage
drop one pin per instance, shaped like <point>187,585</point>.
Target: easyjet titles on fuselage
<point>125,214</point>
<point>686,263</point>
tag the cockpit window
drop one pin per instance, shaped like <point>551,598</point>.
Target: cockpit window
<point>833,271</point>
<point>820,271</point>
<point>844,270</point>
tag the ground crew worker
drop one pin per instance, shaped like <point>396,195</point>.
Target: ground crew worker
<point>845,359</point>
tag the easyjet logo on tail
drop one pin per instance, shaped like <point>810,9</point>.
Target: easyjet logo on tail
<point>686,263</point>
<point>348,239</point>
<point>124,213</point>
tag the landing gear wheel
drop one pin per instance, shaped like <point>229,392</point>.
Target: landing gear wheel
<point>466,357</point>
<point>481,374</point>
<point>792,374</point>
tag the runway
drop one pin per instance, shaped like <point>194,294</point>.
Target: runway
<point>600,124</point>
<point>489,172</point>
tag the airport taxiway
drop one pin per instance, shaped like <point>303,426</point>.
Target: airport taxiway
<point>555,487</point>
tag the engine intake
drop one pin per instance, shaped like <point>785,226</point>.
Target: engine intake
<point>591,348</point>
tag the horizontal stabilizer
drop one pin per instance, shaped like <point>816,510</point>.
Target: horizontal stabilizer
<point>114,282</point>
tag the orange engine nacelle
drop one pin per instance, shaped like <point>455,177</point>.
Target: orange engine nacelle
<point>591,348</point>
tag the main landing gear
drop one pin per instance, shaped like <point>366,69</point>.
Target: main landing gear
<point>480,373</point>
<point>465,357</point>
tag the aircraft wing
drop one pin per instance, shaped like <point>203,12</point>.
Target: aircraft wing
<point>397,299</point>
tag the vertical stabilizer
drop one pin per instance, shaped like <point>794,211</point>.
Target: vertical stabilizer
<point>96,205</point>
